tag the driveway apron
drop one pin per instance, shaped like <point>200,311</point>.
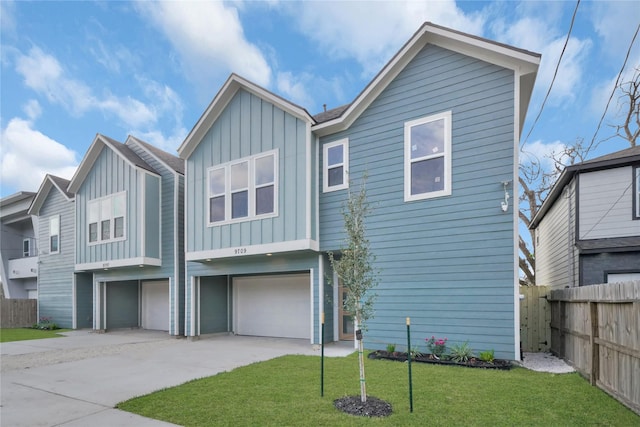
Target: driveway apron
<point>77,380</point>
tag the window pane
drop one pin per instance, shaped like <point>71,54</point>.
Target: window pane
<point>216,209</point>
<point>54,226</point>
<point>335,155</point>
<point>105,209</point>
<point>54,244</point>
<point>118,227</point>
<point>119,205</point>
<point>264,200</point>
<point>427,139</point>
<point>427,176</point>
<point>94,211</point>
<point>239,176</point>
<point>264,170</point>
<point>93,232</point>
<point>336,176</point>
<point>216,182</point>
<point>240,204</point>
<point>106,230</point>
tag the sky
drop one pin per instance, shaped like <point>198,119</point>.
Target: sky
<point>70,70</point>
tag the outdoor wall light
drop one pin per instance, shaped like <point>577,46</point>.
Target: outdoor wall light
<point>505,204</point>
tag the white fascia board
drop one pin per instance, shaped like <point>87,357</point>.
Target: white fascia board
<point>133,140</point>
<point>243,251</point>
<point>41,196</point>
<point>129,262</point>
<point>219,103</point>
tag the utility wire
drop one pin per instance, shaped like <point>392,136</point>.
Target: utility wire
<point>555,73</point>
<point>615,87</point>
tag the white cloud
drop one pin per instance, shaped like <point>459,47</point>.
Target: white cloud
<point>210,39</point>
<point>7,18</point>
<point>27,155</point>
<point>541,153</point>
<point>615,22</point>
<point>32,109</point>
<point>371,32</point>
<point>294,89</point>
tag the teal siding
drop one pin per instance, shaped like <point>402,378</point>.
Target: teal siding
<point>152,212</point>
<point>55,271</point>
<point>249,125</point>
<point>214,313</point>
<point>84,300</point>
<point>448,262</point>
<point>122,305</point>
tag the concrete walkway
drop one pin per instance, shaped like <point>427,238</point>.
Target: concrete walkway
<point>77,380</point>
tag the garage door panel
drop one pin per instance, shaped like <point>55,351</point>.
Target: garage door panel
<point>155,305</point>
<point>274,306</point>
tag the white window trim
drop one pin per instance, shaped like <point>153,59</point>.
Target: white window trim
<point>637,192</point>
<point>252,190</point>
<point>345,165</point>
<point>112,220</point>
<point>408,197</point>
<point>51,235</point>
<point>27,253</point>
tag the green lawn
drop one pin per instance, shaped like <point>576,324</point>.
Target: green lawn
<point>286,392</point>
<point>23,334</point>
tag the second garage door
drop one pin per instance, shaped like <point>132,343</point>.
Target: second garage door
<point>155,305</point>
<point>272,306</point>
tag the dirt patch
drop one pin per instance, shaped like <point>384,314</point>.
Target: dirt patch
<point>373,407</point>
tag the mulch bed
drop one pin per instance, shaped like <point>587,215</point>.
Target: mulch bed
<point>373,407</point>
<point>428,358</point>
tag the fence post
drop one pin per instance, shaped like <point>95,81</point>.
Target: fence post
<point>595,347</point>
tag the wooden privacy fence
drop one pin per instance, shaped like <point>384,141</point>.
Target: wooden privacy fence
<point>18,313</point>
<point>535,317</point>
<point>596,329</point>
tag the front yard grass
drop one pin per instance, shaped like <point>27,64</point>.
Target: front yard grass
<point>286,392</point>
<point>23,334</point>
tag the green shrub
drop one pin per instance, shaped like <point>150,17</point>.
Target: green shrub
<point>487,356</point>
<point>45,324</point>
<point>461,352</point>
<point>391,348</point>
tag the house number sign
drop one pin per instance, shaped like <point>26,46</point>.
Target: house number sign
<point>240,251</point>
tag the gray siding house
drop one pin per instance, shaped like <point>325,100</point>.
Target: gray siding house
<point>587,231</point>
<point>59,299</point>
<point>18,247</point>
<point>437,133</point>
<point>128,227</point>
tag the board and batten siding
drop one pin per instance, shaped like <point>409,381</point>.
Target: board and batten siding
<point>556,254</point>
<point>55,271</point>
<point>111,174</point>
<point>447,262</point>
<point>606,204</point>
<point>249,125</point>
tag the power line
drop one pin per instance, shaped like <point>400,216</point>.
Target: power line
<point>555,73</point>
<point>615,87</point>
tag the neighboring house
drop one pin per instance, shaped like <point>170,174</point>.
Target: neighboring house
<point>587,231</point>
<point>128,235</point>
<point>59,297</point>
<point>18,248</point>
<point>437,132</point>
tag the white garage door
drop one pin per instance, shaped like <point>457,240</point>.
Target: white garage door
<point>272,306</point>
<point>622,277</point>
<point>155,305</point>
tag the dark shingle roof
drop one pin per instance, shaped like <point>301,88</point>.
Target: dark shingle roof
<point>334,113</point>
<point>62,184</point>
<point>174,162</point>
<point>611,244</point>
<point>129,154</point>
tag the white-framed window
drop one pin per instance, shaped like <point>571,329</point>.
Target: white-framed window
<point>54,234</point>
<point>336,165</point>
<point>26,248</point>
<point>107,218</point>
<point>427,157</point>
<point>243,189</point>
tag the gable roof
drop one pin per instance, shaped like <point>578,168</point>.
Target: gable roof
<point>168,160</point>
<point>100,142</point>
<point>617,159</point>
<point>48,183</point>
<point>15,206</point>
<point>220,101</point>
<point>524,63</point>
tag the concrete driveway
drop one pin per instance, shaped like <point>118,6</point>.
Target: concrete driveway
<point>77,380</point>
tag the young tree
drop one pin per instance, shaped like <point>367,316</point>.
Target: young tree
<point>355,269</point>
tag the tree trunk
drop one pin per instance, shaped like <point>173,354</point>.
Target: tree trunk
<point>363,385</point>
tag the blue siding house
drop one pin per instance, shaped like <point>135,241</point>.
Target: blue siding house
<point>436,131</point>
<point>128,233</point>
<point>67,305</point>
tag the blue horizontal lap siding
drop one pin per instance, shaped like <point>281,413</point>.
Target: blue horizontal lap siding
<point>248,126</point>
<point>446,262</point>
<point>55,271</point>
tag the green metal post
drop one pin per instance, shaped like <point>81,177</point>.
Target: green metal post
<point>322,358</point>
<point>409,363</point>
